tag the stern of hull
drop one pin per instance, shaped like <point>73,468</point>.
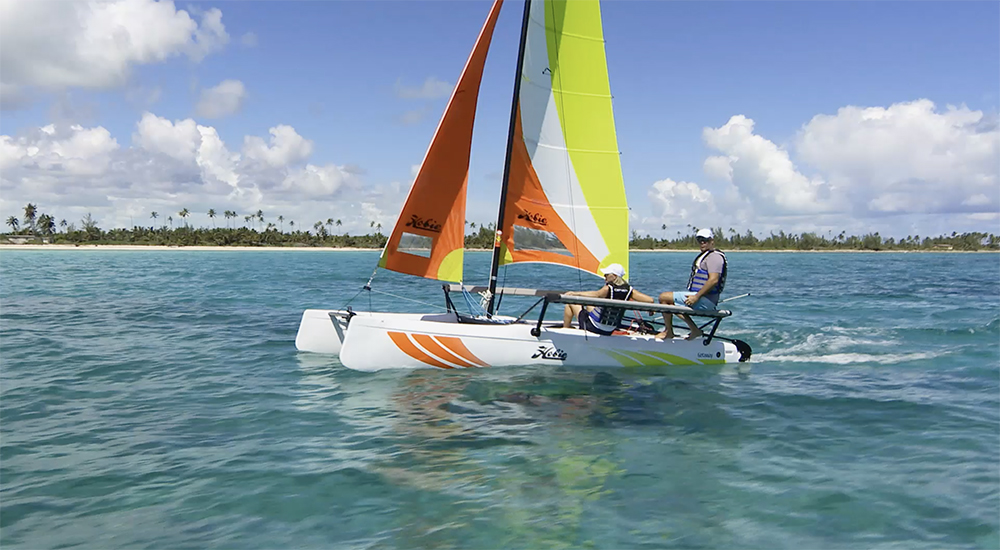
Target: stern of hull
<point>322,331</point>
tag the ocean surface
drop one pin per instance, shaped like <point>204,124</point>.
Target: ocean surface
<point>155,399</point>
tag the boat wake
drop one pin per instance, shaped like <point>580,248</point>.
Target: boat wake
<point>846,346</point>
<point>849,358</point>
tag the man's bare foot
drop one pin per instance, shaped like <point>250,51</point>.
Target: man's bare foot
<point>665,335</point>
<point>694,335</point>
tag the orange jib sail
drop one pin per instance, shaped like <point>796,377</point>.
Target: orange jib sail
<point>429,235</point>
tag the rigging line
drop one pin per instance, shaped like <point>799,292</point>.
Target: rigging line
<point>557,75</point>
<point>348,302</point>
<point>502,285</point>
<point>405,298</point>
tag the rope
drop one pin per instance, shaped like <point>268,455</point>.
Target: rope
<point>405,298</point>
<point>475,309</point>
<point>348,302</point>
<point>502,285</point>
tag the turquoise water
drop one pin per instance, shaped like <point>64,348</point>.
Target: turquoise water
<point>156,400</point>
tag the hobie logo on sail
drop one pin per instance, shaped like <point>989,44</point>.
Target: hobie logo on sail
<point>533,218</point>
<point>550,352</point>
<point>420,223</point>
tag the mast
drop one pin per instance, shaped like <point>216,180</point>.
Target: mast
<point>495,264</point>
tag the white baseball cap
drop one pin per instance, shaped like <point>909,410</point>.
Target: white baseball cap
<point>615,269</point>
<point>704,233</point>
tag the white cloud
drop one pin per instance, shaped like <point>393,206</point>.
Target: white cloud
<point>248,40</point>
<point>762,171</point>
<point>222,100</point>
<point>678,202</point>
<point>903,169</point>
<point>143,97</point>
<point>178,140</point>
<point>317,181</point>
<point>71,170</point>
<point>907,157</point>
<point>720,168</point>
<point>432,88</point>
<point>215,160</point>
<point>413,116</point>
<point>72,151</point>
<point>286,147</point>
<point>94,45</point>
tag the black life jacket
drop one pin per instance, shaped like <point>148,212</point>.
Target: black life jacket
<point>608,318</point>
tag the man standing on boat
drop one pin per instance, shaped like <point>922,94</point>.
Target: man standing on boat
<point>708,277</point>
<point>593,319</point>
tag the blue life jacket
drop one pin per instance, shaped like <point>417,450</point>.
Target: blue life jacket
<point>699,276</point>
<point>608,319</point>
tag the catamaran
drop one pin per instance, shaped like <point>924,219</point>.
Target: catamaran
<point>562,202</point>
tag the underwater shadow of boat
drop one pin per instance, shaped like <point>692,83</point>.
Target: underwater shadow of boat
<point>686,401</point>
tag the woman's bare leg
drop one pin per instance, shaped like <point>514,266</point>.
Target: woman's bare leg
<point>569,313</point>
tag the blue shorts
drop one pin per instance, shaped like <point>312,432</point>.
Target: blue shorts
<point>703,304</point>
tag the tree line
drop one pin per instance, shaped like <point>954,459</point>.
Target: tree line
<point>256,231</point>
<point>732,240</point>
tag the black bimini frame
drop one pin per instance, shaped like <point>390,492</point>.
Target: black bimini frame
<point>555,297</point>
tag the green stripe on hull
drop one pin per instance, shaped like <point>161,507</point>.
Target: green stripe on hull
<point>666,358</point>
<point>623,359</point>
<point>655,359</point>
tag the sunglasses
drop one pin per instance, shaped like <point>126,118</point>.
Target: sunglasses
<point>703,239</point>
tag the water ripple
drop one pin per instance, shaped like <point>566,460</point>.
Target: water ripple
<point>152,400</point>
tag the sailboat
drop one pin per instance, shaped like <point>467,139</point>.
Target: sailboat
<point>562,202</point>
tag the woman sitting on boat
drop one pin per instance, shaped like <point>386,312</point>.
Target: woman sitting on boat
<point>596,319</point>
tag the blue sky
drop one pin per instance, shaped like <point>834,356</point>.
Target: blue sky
<point>801,116</point>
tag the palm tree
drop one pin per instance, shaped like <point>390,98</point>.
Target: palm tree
<point>379,226</point>
<point>46,224</point>
<point>154,214</point>
<point>247,218</point>
<point>30,211</point>
<point>211,214</point>
<point>171,220</point>
<point>63,224</point>
<point>291,226</point>
<point>12,222</point>
<point>260,216</point>
<point>329,223</point>
<point>184,214</point>
<point>281,220</point>
<point>339,223</point>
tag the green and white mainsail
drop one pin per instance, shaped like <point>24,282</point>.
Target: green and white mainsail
<point>565,193</point>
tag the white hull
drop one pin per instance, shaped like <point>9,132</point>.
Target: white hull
<point>377,341</point>
<point>318,333</point>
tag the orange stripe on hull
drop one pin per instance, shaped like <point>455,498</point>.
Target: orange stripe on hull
<point>407,347</point>
<point>441,352</point>
<point>458,347</point>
